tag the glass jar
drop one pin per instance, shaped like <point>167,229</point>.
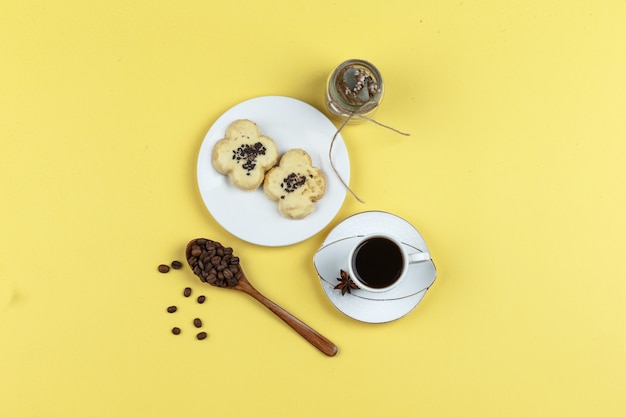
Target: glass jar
<point>354,88</point>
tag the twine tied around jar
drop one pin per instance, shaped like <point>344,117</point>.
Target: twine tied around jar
<point>332,143</point>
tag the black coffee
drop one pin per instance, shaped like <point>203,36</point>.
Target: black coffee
<point>377,262</point>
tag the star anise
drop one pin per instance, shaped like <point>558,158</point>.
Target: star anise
<point>345,283</point>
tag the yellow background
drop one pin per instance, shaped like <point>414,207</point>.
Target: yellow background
<point>514,173</point>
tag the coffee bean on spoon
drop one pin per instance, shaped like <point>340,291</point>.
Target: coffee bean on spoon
<point>213,263</point>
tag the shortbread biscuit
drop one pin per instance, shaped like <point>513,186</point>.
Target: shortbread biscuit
<point>295,184</point>
<point>244,155</point>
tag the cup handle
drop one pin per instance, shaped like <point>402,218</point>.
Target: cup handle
<point>419,257</point>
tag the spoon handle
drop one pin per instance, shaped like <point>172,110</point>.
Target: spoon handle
<point>323,344</point>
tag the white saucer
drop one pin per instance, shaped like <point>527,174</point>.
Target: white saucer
<point>362,305</point>
<point>251,216</point>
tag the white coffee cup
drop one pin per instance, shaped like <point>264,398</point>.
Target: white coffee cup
<point>379,262</point>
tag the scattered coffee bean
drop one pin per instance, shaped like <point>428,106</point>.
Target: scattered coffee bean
<point>203,253</point>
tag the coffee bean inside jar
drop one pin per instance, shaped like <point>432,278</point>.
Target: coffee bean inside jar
<point>214,263</point>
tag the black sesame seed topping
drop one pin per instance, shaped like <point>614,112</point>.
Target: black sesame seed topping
<point>292,182</point>
<point>249,153</point>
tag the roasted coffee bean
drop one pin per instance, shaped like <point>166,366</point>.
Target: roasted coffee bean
<point>228,274</point>
<point>187,292</point>
<point>175,330</point>
<point>164,269</point>
<point>201,299</point>
<point>172,309</point>
<point>201,336</point>
<point>209,260</point>
<point>177,264</point>
<point>197,322</point>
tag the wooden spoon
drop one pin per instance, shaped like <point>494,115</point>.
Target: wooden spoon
<point>241,283</point>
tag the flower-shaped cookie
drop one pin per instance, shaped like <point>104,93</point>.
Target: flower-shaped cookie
<point>295,183</point>
<point>244,154</point>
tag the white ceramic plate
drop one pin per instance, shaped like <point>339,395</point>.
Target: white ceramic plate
<point>251,216</point>
<point>362,305</point>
